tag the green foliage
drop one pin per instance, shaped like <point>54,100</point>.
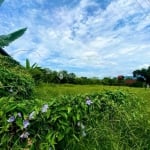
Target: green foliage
<point>143,75</point>
<point>35,71</point>
<point>5,40</point>
<point>1,1</point>
<point>107,120</point>
<point>29,67</point>
<point>14,79</point>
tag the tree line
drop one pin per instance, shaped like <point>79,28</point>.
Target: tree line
<point>46,75</point>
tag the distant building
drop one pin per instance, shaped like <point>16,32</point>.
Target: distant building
<point>130,81</point>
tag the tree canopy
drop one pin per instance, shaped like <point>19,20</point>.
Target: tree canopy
<point>143,74</point>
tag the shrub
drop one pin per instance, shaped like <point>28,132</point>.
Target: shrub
<point>14,79</point>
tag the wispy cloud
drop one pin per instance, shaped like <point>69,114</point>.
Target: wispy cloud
<point>89,37</point>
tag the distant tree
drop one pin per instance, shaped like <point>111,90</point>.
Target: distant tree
<point>71,78</point>
<point>121,79</point>
<point>63,76</point>
<point>142,75</point>
<point>95,80</point>
<point>107,81</point>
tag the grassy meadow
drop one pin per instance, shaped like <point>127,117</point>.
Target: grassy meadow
<point>77,117</point>
<point>55,90</point>
<point>142,96</point>
<point>47,91</point>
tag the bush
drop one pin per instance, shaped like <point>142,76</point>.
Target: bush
<point>108,120</point>
<point>14,79</point>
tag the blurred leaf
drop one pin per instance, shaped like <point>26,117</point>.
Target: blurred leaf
<point>5,40</point>
<point>1,1</point>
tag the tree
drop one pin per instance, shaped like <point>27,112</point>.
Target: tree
<point>143,75</point>
<point>71,78</point>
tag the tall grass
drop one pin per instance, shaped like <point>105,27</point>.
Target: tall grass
<point>56,90</point>
<point>77,117</point>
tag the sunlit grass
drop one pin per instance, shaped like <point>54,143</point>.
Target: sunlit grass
<point>47,91</point>
<point>55,90</point>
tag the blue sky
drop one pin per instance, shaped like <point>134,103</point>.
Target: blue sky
<point>93,38</point>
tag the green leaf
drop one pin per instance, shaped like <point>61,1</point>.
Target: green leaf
<point>1,1</point>
<point>27,64</point>
<point>76,138</point>
<point>59,136</point>
<point>5,40</point>
<point>69,109</point>
<point>19,122</point>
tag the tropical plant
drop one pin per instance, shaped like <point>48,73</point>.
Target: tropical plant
<point>28,66</point>
<point>5,40</point>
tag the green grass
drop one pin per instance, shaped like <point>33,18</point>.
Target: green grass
<point>139,126</point>
<point>116,119</point>
<point>48,91</point>
<point>55,90</point>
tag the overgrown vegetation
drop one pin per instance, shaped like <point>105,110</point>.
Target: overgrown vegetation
<point>108,120</point>
<point>61,117</point>
<point>14,79</point>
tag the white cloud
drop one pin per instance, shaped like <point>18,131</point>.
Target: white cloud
<point>72,37</point>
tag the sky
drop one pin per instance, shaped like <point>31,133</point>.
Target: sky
<point>92,38</point>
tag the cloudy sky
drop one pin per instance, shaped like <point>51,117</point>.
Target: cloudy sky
<point>88,37</point>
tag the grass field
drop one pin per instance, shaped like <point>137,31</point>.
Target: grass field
<point>54,90</point>
<point>77,117</point>
<point>136,130</point>
<point>47,91</point>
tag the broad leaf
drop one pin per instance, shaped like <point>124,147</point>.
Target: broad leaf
<point>1,1</point>
<point>5,40</point>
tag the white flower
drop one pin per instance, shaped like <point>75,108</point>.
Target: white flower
<point>88,102</point>
<point>83,133</point>
<point>32,115</point>
<point>11,119</point>
<point>82,126</point>
<point>44,108</point>
<point>19,115</point>
<point>78,124</point>
<point>26,123</point>
<point>24,135</point>
<point>11,90</point>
